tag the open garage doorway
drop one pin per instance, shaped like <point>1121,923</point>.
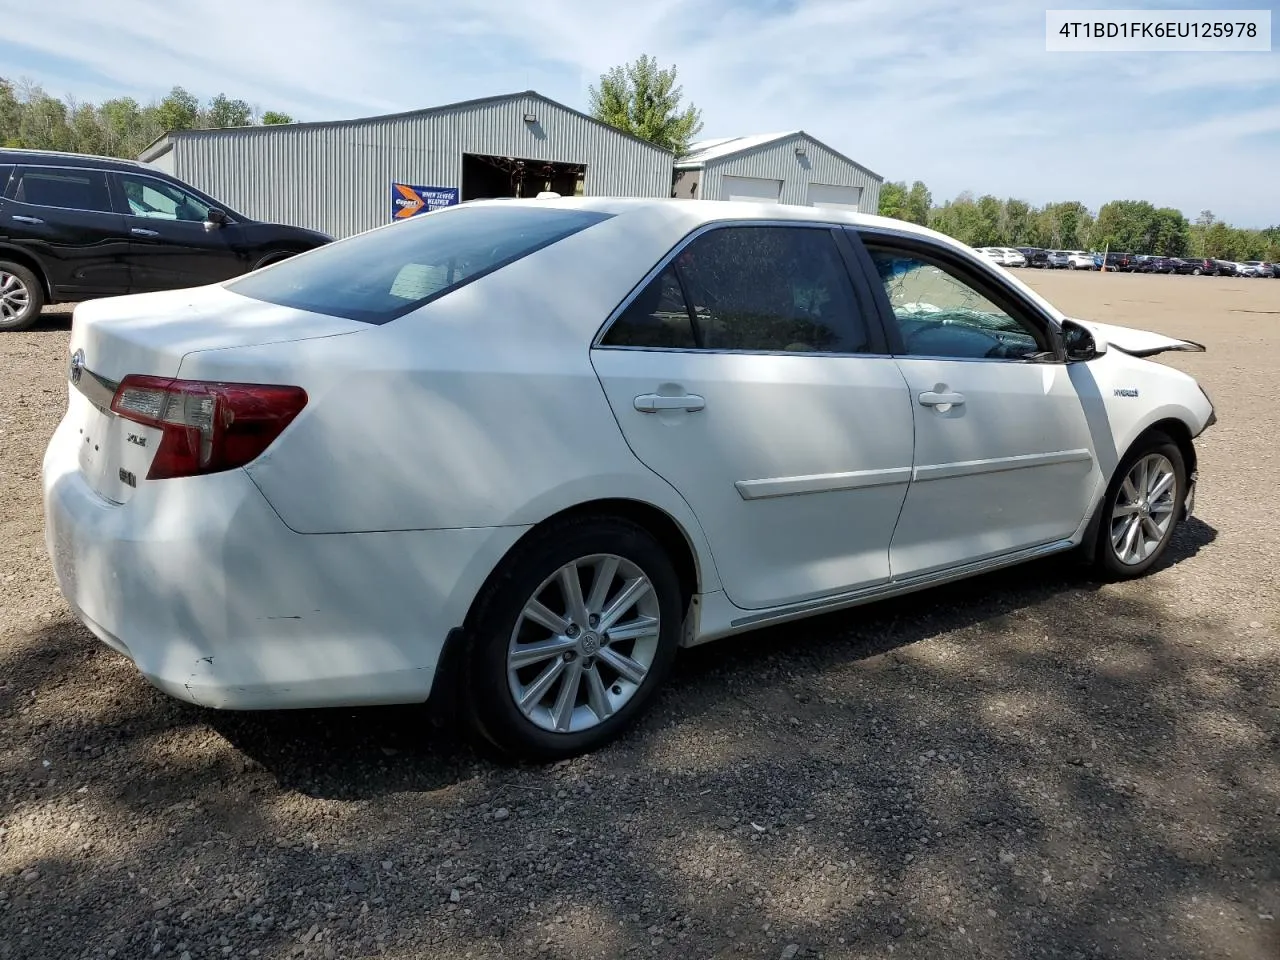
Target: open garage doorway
<point>485,176</point>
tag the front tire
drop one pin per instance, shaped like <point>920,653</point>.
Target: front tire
<point>571,638</point>
<point>1142,508</point>
<point>21,297</point>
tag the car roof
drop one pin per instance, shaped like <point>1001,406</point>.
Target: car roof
<point>58,158</point>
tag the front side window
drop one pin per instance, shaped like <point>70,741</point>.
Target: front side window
<point>378,276</point>
<point>148,197</point>
<point>939,314</point>
<point>754,288</point>
<point>63,188</point>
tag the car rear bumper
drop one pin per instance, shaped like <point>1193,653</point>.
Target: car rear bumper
<point>218,603</point>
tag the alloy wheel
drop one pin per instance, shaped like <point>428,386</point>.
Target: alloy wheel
<point>1144,509</point>
<point>15,298</point>
<point>583,643</point>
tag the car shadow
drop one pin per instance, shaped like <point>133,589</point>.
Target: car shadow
<point>350,754</point>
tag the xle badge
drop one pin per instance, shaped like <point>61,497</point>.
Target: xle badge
<point>140,441</point>
<point>128,477</point>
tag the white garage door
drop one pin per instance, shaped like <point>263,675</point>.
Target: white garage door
<point>830,195</point>
<point>751,188</point>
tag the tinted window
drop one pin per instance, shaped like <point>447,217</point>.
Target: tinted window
<point>70,189</point>
<point>383,274</point>
<point>659,317</point>
<point>769,289</point>
<point>939,314</point>
<point>156,199</point>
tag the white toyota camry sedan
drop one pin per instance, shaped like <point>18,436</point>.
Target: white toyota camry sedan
<point>525,450</point>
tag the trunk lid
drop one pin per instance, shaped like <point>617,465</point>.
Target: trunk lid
<point>151,334</point>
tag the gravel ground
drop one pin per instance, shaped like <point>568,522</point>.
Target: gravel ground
<point>1025,765</point>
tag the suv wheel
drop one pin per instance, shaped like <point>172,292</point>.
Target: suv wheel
<point>21,297</point>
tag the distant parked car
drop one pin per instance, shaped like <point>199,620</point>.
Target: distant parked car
<point>1252,268</point>
<point>1196,266</point>
<point>1079,260</point>
<point>1058,259</point>
<point>1005,256</point>
<point>75,227</point>
<point>1224,268</point>
<point>1035,257</point>
<point>1117,261</point>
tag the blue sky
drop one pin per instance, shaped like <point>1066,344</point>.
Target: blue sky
<point>959,95</point>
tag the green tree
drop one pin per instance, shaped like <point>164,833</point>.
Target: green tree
<point>273,117</point>
<point>223,112</point>
<point>10,114</point>
<point>893,199</point>
<point>917,203</point>
<point>1015,222</point>
<point>644,101</point>
<point>178,111</point>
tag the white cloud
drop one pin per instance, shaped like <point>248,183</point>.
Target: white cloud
<point>958,96</point>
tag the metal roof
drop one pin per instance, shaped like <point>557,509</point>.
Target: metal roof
<point>703,152</point>
<point>163,142</point>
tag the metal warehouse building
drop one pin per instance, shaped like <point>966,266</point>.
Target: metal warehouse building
<point>338,177</point>
<point>778,167</point>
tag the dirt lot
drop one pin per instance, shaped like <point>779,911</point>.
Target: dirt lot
<point>1026,765</point>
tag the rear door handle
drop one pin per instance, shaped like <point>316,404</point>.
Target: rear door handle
<point>142,232</point>
<point>21,218</point>
<point>931,399</point>
<point>653,402</point>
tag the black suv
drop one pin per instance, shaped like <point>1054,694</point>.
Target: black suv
<point>1035,256</point>
<point>74,227</point>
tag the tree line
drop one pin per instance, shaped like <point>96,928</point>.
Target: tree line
<point>645,100</point>
<point>31,118</point>
<point>1129,226</point>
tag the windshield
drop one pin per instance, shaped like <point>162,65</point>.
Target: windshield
<point>378,276</point>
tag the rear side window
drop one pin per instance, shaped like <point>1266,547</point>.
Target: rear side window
<point>767,289</point>
<point>67,189</point>
<point>378,276</point>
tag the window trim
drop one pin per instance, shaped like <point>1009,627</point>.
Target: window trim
<point>879,345</point>
<point>20,170</point>
<point>966,270</point>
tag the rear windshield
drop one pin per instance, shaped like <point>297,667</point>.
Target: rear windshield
<point>383,274</point>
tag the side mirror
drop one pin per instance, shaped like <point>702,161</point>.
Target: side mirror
<point>217,218</point>
<point>1080,344</point>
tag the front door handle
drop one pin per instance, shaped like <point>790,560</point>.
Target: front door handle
<point>22,218</point>
<point>931,399</point>
<point>653,402</point>
<point>143,232</point>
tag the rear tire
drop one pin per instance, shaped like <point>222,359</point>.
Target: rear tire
<point>1196,272</point>
<point>1142,508</point>
<point>21,296</point>
<point>550,704</point>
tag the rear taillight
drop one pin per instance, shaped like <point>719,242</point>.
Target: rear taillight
<point>207,427</point>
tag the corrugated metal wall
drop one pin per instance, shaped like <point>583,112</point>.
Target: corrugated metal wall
<point>778,161</point>
<point>337,177</point>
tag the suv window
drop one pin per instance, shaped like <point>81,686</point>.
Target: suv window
<point>383,274</point>
<point>60,187</point>
<point>769,289</point>
<point>149,197</point>
<point>940,314</point>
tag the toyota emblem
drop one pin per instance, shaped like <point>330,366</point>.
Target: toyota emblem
<point>77,365</point>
